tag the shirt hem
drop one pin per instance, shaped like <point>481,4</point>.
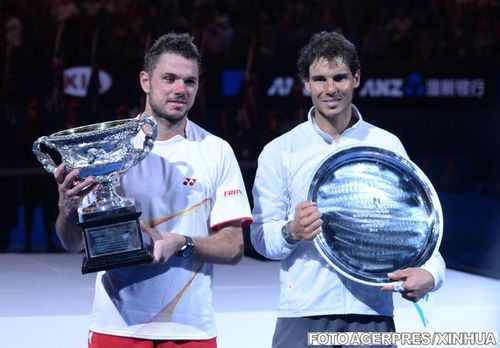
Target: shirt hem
<point>299,314</point>
<point>151,336</point>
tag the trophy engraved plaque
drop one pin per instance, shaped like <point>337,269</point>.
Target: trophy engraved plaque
<point>380,213</point>
<point>110,224</point>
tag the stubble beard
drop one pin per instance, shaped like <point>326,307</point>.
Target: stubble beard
<point>340,112</point>
<point>171,119</point>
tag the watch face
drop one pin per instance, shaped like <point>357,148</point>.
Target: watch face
<point>286,233</point>
<point>187,249</point>
<point>380,213</point>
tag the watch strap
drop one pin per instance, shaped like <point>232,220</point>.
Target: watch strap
<point>286,233</point>
<point>187,249</point>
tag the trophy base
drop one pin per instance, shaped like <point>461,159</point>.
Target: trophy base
<point>113,239</point>
<point>103,263</point>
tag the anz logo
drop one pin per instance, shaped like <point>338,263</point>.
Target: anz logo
<point>415,86</point>
<point>394,88</point>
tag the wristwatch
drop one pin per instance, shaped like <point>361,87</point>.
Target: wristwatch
<point>286,233</point>
<point>186,251</point>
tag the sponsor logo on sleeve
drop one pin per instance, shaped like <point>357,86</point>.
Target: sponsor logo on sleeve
<point>233,193</point>
<point>189,181</point>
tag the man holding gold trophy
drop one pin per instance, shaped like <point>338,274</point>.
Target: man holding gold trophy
<point>192,198</point>
<point>337,200</point>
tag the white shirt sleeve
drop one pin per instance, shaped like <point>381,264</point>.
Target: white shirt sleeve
<point>436,267</point>
<point>271,206</point>
<point>231,201</point>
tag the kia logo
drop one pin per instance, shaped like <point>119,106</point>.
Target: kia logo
<point>76,81</point>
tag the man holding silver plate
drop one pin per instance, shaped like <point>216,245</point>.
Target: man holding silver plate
<point>191,194</point>
<point>337,200</point>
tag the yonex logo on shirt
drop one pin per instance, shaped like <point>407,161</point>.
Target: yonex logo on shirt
<point>189,181</point>
<point>232,193</point>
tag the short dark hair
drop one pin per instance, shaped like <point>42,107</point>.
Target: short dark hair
<point>328,45</point>
<point>177,43</point>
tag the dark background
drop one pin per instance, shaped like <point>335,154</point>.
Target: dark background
<point>452,135</point>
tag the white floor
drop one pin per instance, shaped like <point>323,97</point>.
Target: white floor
<point>45,302</point>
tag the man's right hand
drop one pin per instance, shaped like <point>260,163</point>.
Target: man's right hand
<point>307,221</point>
<point>71,188</point>
<point>71,192</point>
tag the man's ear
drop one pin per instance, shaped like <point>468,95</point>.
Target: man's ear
<point>357,78</point>
<point>307,85</point>
<point>144,80</point>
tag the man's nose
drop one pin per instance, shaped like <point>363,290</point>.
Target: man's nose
<point>330,86</point>
<point>179,86</point>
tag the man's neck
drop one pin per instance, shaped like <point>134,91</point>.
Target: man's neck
<point>167,129</point>
<point>335,126</point>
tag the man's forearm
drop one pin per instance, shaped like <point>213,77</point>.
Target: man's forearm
<point>68,231</point>
<point>222,247</point>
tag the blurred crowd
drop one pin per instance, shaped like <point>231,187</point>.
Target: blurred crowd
<point>41,38</point>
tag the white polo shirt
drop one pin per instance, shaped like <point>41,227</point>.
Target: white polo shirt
<point>309,286</point>
<point>187,186</point>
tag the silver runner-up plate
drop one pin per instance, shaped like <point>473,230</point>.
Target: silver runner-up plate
<point>380,213</point>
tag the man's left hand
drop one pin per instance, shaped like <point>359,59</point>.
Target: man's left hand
<point>165,244</point>
<point>416,282</point>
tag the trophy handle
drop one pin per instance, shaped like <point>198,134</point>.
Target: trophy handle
<point>42,157</point>
<point>149,140</point>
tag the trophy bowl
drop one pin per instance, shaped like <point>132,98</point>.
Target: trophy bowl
<point>103,150</point>
<point>110,223</point>
<point>99,149</point>
<point>380,213</point>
